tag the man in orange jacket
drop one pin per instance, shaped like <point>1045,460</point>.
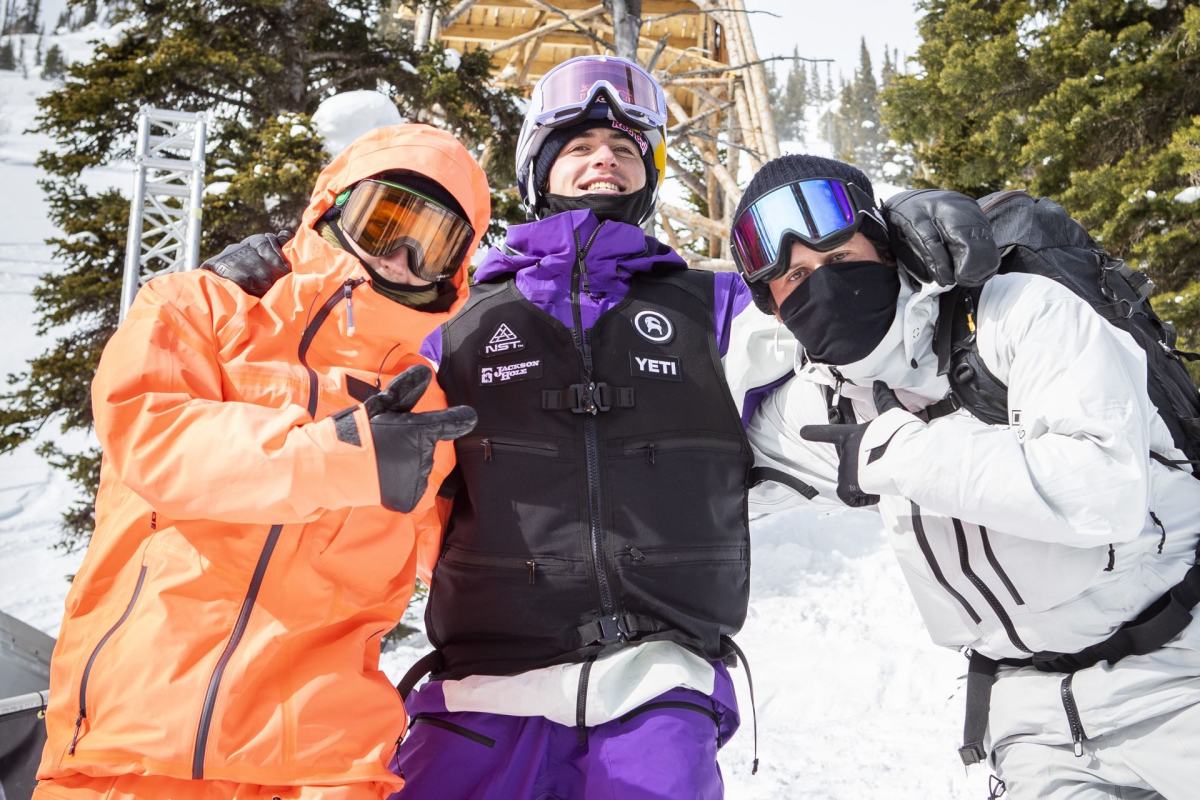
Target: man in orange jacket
<point>261,501</point>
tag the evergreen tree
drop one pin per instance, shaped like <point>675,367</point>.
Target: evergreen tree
<point>1092,102</point>
<point>8,59</point>
<point>53,66</point>
<point>260,68</point>
<point>793,101</point>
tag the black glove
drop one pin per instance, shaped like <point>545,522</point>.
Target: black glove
<point>941,237</point>
<point>848,440</point>
<point>404,439</point>
<point>254,263</point>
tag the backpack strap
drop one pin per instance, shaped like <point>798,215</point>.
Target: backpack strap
<point>972,384</point>
<point>1162,621</point>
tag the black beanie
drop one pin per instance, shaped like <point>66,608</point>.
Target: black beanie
<point>791,168</point>
<point>558,139</point>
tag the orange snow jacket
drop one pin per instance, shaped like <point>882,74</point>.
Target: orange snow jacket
<point>226,621</point>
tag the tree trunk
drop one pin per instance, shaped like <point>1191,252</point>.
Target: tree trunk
<point>627,26</point>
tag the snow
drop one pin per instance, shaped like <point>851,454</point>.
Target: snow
<point>1189,195</point>
<point>344,117</point>
<point>853,700</point>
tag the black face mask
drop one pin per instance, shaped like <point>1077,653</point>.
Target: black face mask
<point>842,311</point>
<point>616,207</point>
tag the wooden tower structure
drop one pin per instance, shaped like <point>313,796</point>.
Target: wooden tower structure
<point>703,53</point>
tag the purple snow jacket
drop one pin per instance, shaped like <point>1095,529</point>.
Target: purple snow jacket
<point>541,255</point>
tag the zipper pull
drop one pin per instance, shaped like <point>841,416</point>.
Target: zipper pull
<point>650,453</point>
<point>348,294</point>
<point>635,554</point>
<point>532,571</point>
<point>487,449</point>
<point>835,412</point>
<point>1078,739</point>
<point>75,737</point>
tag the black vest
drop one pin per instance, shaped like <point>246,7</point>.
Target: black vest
<point>588,514</point>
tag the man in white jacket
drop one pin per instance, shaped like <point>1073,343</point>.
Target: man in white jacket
<point>1041,536</point>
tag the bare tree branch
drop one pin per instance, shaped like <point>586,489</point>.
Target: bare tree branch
<point>691,12</point>
<point>748,65</point>
<point>555,10</point>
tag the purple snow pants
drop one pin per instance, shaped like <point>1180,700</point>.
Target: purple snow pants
<point>663,750</point>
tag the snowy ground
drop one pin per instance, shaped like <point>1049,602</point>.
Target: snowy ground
<point>853,700</point>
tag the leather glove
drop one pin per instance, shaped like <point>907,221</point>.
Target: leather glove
<point>941,237</point>
<point>254,263</point>
<point>405,439</point>
<point>861,444</point>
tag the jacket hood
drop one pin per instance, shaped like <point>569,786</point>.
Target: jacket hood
<point>435,154</point>
<point>544,250</point>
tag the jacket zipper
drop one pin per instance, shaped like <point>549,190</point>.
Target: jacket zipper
<point>995,562</point>
<point>343,292</point>
<point>964,562</point>
<point>87,670</point>
<point>671,556</point>
<point>235,638</point>
<point>492,446</point>
<point>923,542</point>
<point>651,449</point>
<point>591,440</point>
<point>1068,701</point>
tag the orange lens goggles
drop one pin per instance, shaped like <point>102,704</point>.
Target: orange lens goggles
<point>381,217</point>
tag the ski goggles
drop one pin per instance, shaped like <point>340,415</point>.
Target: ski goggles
<point>822,213</point>
<point>381,217</point>
<point>565,93</point>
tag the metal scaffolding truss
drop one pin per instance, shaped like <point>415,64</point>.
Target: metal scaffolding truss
<point>164,214</point>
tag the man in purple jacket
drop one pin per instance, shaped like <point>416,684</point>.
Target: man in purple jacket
<point>596,558</point>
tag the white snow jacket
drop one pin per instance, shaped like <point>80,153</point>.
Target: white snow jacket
<point>1045,534</point>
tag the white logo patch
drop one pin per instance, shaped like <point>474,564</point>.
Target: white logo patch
<point>507,373</point>
<point>503,341</point>
<point>654,327</point>
<point>659,368</point>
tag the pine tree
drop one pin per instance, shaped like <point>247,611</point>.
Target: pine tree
<point>8,60</point>
<point>793,101</point>
<point>53,66</point>
<point>260,68</point>
<point>1093,102</point>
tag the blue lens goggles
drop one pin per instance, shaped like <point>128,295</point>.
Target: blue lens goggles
<point>822,213</point>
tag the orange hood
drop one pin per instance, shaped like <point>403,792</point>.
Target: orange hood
<point>435,154</point>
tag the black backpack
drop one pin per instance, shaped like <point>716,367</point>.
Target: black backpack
<point>1037,236</point>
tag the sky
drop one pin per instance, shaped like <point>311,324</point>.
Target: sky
<point>833,28</point>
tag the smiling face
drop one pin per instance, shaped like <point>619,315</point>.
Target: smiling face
<point>804,261</point>
<point>598,161</point>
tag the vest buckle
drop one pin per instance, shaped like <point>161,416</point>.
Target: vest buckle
<point>589,398</point>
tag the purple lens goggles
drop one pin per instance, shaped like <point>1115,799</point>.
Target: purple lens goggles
<point>570,89</point>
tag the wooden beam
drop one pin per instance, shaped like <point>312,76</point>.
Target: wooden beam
<point>694,220</point>
<point>547,28</point>
<point>758,80</point>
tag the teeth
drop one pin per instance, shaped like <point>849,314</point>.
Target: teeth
<point>604,185</point>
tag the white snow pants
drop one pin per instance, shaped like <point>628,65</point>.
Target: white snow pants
<point>1152,760</point>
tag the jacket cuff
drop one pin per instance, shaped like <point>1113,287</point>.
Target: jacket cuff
<point>879,467</point>
<point>346,477</point>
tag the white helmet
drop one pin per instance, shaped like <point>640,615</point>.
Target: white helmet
<point>595,88</point>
